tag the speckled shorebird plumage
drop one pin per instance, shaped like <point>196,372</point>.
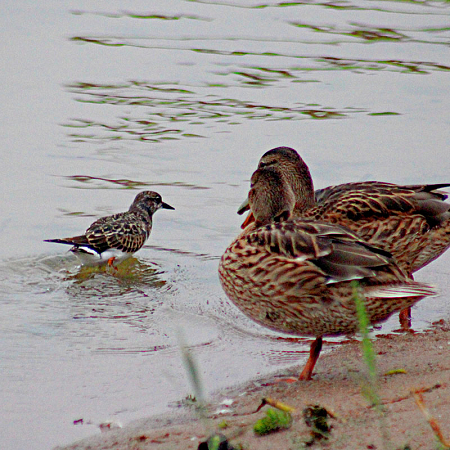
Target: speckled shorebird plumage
<point>114,238</point>
<point>411,221</point>
<point>295,275</point>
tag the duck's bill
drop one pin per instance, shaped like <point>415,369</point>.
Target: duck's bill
<point>166,206</point>
<point>244,207</point>
<point>248,220</point>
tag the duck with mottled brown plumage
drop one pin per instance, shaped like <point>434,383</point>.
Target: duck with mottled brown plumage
<point>411,221</point>
<point>295,275</point>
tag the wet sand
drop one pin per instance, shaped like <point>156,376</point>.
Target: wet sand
<point>337,385</point>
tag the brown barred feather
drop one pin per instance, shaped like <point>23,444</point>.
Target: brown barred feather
<point>411,221</point>
<point>296,276</point>
<point>309,293</point>
<point>124,231</point>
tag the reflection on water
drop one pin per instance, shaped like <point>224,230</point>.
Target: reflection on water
<point>131,274</point>
<point>177,117</point>
<point>129,294</point>
<point>183,97</point>
<point>373,34</point>
<point>114,15</point>
<point>132,292</point>
<point>66,301</point>
<point>99,182</point>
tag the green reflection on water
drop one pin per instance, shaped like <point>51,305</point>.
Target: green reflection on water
<point>87,181</point>
<point>164,106</point>
<point>133,15</point>
<point>339,5</point>
<point>373,34</point>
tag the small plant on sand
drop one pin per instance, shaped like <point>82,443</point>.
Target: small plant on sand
<point>196,400</point>
<point>441,442</point>
<point>215,441</point>
<point>316,417</point>
<point>274,420</point>
<point>370,388</point>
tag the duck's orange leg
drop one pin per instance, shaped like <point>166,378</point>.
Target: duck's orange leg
<point>314,353</point>
<point>405,319</point>
<point>405,316</point>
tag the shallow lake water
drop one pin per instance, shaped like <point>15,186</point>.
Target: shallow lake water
<point>102,100</point>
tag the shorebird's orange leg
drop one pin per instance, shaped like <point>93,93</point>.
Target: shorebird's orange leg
<point>111,263</point>
<point>314,353</point>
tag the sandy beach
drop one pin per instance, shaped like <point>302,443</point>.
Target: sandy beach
<point>410,362</point>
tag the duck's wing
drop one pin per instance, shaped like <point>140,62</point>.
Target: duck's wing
<point>337,252</point>
<point>373,200</point>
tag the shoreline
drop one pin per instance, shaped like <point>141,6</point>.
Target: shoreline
<point>422,362</point>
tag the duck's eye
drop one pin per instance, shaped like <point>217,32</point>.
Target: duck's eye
<point>266,163</point>
<point>282,217</point>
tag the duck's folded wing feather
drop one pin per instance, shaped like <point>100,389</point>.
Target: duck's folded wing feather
<point>337,252</point>
<point>373,199</point>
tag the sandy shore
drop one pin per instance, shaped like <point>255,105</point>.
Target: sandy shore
<point>337,385</point>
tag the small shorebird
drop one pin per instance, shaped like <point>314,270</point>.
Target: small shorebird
<point>410,221</point>
<point>296,275</point>
<point>112,239</point>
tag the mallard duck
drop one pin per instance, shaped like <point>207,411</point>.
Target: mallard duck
<point>296,275</point>
<point>412,221</point>
<point>112,239</point>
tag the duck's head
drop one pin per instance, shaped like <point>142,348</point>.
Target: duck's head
<point>271,199</point>
<point>295,173</point>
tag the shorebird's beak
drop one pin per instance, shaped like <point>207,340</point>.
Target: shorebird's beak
<point>244,207</point>
<point>166,206</point>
